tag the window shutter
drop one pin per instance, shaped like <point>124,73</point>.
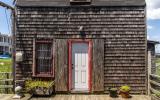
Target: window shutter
<point>61,65</point>
<point>98,65</point>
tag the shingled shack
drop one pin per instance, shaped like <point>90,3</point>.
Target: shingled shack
<point>86,46</point>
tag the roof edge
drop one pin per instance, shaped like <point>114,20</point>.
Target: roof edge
<point>152,41</point>
<point>66,3</point>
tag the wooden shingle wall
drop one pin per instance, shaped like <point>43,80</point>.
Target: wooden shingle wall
<point>122,28</point>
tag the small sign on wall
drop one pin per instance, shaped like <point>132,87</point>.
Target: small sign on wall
<point>19,56</point>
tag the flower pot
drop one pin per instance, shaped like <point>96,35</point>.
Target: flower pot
<point>41,91</point>
<point>113,93</point>
<point>40,88</point>
<point>125,94</point>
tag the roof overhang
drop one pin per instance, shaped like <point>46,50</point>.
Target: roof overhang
<point>153,42</point>
<point>59,3</point>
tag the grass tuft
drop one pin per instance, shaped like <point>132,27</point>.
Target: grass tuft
<point>158,66</point>
<point>6,65</point>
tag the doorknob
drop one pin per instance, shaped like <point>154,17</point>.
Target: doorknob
<point>72,66</point>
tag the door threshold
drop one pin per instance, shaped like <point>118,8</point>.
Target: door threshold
<point>79,91</point>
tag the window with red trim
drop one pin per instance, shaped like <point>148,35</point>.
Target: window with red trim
<point>43,58</point>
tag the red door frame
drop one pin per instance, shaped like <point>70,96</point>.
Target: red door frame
<point>70,42</point>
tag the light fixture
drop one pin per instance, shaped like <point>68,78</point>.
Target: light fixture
<point>81,31</point>
<point>81,28</point>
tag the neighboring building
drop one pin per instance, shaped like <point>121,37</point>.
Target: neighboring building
<point>151,47</point>
<point>158,55</point>
<point>5,44</point>
<point>84,45</point>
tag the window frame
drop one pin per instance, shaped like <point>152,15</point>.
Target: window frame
<point>47,74</point>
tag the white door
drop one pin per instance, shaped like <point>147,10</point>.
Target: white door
<point>80,66</point>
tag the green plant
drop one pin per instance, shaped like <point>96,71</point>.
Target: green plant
<point>33,84</point>
<point>5,65</point>
<point>124,91</point>
<point>113,92</point>
<point>157,94</point>
<point>113,89</point>
<point>125,88</point>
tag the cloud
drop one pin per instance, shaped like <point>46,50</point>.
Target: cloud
<point>153,9</point>
<point>156,37</point>
<point>148,37</point>
<point>150,27</point>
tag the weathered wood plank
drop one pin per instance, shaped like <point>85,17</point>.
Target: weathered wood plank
<point>154,91</point>
<point>3,80</point>
<point>155,76</point>
<point>6,82</point>
<point>6,86</point>
<point>61,65</point>
<point>98,65</point>
<point>155,83</point>
<point>9,97</point>
<point>90,97</point>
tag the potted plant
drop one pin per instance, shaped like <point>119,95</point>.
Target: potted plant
<point>113,92</point>
<point>38,87</point>
<point>124,91</point>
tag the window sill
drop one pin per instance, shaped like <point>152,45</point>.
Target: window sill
<point>44,75</point>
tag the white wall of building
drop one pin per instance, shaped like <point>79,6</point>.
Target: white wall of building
<point>5,43</point>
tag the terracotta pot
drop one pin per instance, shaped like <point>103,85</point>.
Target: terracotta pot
<point>125,94</point>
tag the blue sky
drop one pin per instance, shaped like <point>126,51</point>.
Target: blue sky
<point>153,20</point>
<point>3,20</point>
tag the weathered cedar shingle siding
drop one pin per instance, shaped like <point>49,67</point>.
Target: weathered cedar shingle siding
<point>121,28</point>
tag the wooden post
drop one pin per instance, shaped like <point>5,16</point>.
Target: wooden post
<point>6,82</point>
<point>149,70</point>
<point>14,47</point>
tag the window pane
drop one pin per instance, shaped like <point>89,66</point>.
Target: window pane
<point>43,58</point>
